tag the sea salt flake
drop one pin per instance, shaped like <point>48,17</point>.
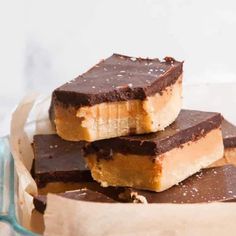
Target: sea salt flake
<point>119,75</point>
<point>195,189</point>
<point>124,86</point>
<point>133,58</point>
<point>93,87</point>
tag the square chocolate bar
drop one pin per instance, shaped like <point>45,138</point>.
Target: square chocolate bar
<point>59,165</point>
<point>119,96</point>
<point>158,160</point>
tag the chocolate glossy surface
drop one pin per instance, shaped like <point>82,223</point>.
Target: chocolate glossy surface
<point>119,78</point>
<point>58,160</point>
<point>190,125</point>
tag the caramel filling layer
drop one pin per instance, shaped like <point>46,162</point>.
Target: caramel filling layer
<point>107,120</point>
<point>160,172</point>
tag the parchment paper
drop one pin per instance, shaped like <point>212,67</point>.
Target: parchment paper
<point>29,118</point>
<point>68,217</point>
<point>75,218</point>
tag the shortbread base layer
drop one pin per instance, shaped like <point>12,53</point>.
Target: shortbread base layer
<point>114,119</point>
<point>229,158</point>
<point>160,172</point>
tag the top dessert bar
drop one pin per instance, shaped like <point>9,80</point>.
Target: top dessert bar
<point>119,96</point>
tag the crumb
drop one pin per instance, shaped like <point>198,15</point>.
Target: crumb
<point>138,198</point>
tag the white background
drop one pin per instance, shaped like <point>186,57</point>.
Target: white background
<point>45,43</point>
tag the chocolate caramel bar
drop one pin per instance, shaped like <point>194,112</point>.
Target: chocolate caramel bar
<point>158,160</point>
<point>229,139</point>
<point>208,185</point>
<point>119,96</point>
<point>58,164</point>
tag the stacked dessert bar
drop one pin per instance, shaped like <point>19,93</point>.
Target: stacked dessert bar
<point>122,136</point>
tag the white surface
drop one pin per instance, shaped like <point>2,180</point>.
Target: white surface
<point>45,43</point>
<point>212,97</point>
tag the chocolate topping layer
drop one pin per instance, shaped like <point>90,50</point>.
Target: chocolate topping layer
<point>58,160</point>
<point>209,185</point>
<point>190,125</point>
<point>229,134</point>
<point>40,201</point>
<point>119,78</point>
